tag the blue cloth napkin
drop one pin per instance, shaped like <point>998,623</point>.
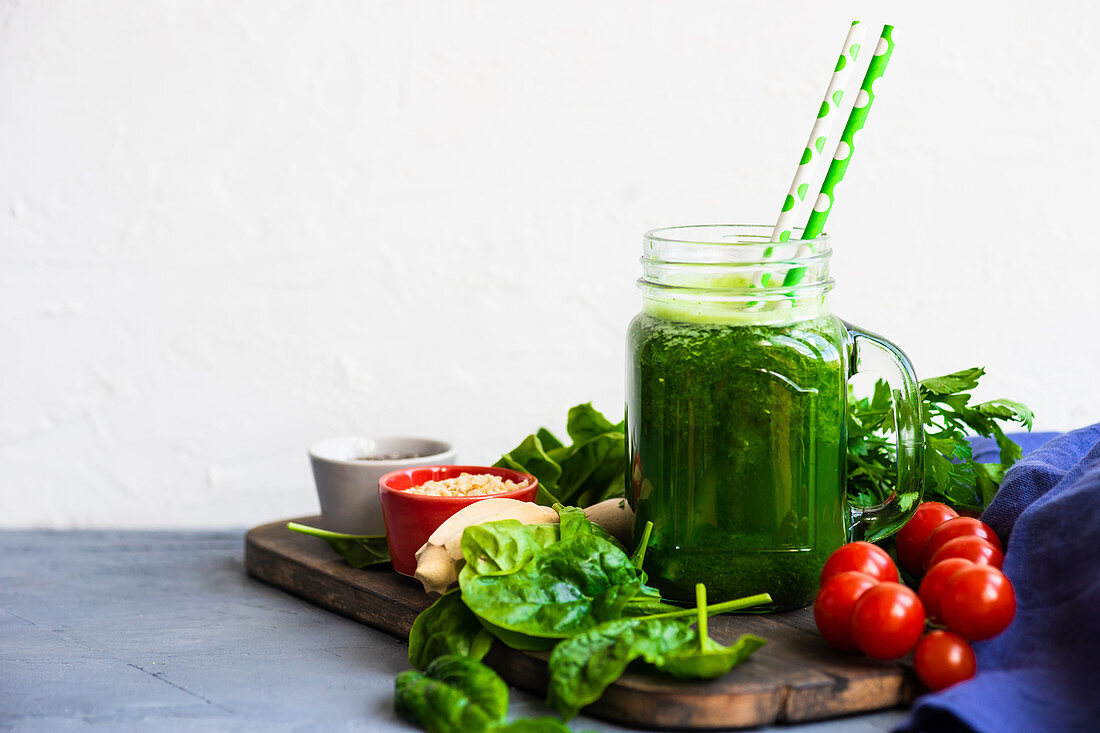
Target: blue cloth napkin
<point>1043,673</point>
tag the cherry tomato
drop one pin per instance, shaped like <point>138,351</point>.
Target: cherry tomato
<point>835,602</point>
<point>942,659</point>
<point>971,548</point>
<point>915,533</point>
<point>861,557</point>
<point>978,602</point>
<point>887,621</point>
<point>935,580</point>
<point>957,527</point>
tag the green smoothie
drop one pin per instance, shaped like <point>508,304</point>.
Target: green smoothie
<point>736,442</point>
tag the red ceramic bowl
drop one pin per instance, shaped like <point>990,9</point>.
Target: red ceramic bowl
<point>411,518</point>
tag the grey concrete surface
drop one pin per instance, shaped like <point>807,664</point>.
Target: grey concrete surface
<point>115,630</point>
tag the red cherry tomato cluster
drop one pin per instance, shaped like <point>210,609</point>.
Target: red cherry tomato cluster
<point>862,607</point>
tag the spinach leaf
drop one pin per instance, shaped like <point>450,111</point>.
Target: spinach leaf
<point>572,521</point>
<point>516,640</point>
<point>453,695</point>
<point>566,588</point>
<point>360,550</point>
<point>593,470</point>
<point>707,658</point>
<point>530,456</point>
<point>447,627</point>
<point>585,422</point>
<point>548,440</point>
<point>638,557</point>
<point>713,660</point>
<point>582,666</point>
<point>584,473</point>
<point>502,547</point>
<point>641,605</point>
<point>531,725</point>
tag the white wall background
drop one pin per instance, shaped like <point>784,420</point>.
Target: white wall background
<point>228,229</point>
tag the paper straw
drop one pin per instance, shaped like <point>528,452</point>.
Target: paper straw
<point>827,115</point>
<point>814,155</point>
<point>847,145</point>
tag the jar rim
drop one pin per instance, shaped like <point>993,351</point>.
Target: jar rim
<point>745,248</point>
<point>734,273</point>
<point>748,234</point>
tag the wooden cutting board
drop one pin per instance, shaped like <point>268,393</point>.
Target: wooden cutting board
<point>795,677</point>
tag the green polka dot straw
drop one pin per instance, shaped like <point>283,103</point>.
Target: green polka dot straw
<point>812,155</point>
<point>847,145</point>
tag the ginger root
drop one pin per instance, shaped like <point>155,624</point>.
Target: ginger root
<point>615,516</point>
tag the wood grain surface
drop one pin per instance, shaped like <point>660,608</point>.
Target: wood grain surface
<point>795,677</point>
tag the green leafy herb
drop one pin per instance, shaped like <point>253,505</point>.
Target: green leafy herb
<point>646,606</point>
<point>582,666</point>
<point>712,660</point>
<point>454,694</point>
<point>564,589</point>
<point>586,472</point>
<point>707,659</point>
<point>638,557</point>
<point>952,476</point>
<point>360,550</point>
<point>516,640</point>
<point>548,440</point>
<point>572,521</point>
<point>586,422</point>
<point>502,547</point>
<point>447,627</point>
<point>530,456</point>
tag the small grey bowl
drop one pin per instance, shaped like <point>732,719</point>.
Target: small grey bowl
<point>346,471</point>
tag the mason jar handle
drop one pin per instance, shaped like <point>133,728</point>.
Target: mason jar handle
<point>869,352</point>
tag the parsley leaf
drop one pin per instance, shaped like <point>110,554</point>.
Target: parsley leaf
<point>952,476</point>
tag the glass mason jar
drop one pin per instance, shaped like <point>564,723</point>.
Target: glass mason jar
<point>736,415</point>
